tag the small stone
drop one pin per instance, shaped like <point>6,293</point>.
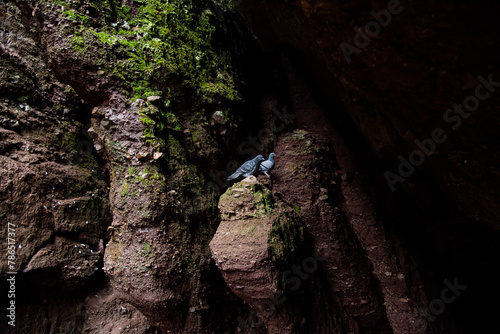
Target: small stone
<point>100,72</point>
<point>92,133</point>
<point>192,309</point>
<point>251,179</point>
<point>96,111</point>
<point>323,190</point>
<point>218,117</point>
<point>153,98</point>
<point>116,117</point>
<point>323,197</point>
<point>157,155</point>
<point>105,124</point>
<point>142,155</point>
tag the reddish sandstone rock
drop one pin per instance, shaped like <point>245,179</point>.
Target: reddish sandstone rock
<point>256,233</point>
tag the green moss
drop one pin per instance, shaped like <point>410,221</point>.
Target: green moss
<point>286,236</point>
<point>148,249</point>
<point>170,49</point>
<point>177,154</point>
<point>263,201</point>
<point>175,37</point>
<point>148,179</point>
<point>129,190</point>
<point>151,178</point>
<point>173,121</point>
<point>125,189</point>
<point>69,140</point>
<point>299,134</point>
<point>132,171</point>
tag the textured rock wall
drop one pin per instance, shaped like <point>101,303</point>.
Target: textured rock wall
<point>115,133</point>
<point>99,141</point>
<point>53,189</point>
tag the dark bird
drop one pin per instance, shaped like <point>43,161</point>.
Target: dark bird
<point>266,166</point>
<point>248,168</point>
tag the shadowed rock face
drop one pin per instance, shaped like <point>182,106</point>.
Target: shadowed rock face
<point>342,222</point>
<point>399,84</point>
<point>387,103</point>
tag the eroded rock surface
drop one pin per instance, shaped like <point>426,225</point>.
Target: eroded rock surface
<point>256,235</point>
<point>54,193</point>
<point>114,164</point>
<point>114,144</point>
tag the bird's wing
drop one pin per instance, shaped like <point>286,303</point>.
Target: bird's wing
<point>247,167</point>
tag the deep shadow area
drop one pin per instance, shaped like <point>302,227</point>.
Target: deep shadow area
<point>428,230</point>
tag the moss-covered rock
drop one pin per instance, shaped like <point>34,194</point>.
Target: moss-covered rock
<point>257,237</point>
<point>146,76</point>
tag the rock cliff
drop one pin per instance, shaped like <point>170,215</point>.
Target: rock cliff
<point>121,119</point>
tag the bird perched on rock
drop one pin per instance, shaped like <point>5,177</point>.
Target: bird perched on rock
<point>248,168</point>
<point>266,166</point>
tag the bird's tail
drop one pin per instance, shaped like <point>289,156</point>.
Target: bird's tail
<point>232,176</point>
